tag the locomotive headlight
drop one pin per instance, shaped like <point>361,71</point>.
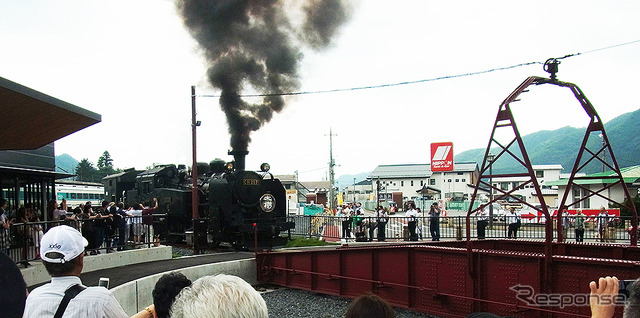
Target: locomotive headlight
<point>267,202</point>
<point>265,167</point>
<point>229,166</point>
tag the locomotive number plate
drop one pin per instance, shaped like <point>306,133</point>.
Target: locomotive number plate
<point>250,182</point>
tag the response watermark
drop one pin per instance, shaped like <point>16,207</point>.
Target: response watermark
<point>527,295</point>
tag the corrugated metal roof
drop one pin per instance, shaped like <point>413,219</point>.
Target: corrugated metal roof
<point>401,171</point>
<point>416,170</point>
<point>324,185</point>
<point>629,175</point>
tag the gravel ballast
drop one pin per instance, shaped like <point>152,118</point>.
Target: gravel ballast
<point>285,303</point>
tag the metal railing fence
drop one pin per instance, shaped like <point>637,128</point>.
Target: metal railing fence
<point>610,230</point>
<point>22,240</point>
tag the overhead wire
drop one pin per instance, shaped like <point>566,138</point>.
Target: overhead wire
<point>336,90</point>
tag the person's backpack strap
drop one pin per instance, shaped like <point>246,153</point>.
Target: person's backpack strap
<point>69,294</point>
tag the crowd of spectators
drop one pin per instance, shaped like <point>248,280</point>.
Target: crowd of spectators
<point>355,224</point>
<point>107,228</point>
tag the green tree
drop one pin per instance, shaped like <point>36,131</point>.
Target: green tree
<point>105,166</point>
<point>105,161</point>
<point>85,171</point>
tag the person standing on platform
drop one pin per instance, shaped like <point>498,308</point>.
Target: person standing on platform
<point>5,224</point>
<point>147,219</point>
<point>138,227</point>
<point>603,219</point>
<point>57,212</point>
<point>565,223</point>
<point>100,225</point>
<point>412,221</point>
<point>122,220</point>
<point>483,220</point>
<point>346,221</point>
<point>372,224</point>
<point>383,218</point>
<point>579,226</point>
<point>512,220</point>
<point>434,221</point>
<point>359,226</point>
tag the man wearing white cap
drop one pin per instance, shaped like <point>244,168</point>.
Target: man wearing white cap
<point>62,253</point>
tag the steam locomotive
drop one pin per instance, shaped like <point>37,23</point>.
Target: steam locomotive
<point>234,205</point>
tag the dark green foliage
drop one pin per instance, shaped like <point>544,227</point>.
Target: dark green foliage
<point>85,171</point>
<point>105,161</point>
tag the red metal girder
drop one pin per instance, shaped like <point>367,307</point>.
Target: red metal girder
<point>435,278</point>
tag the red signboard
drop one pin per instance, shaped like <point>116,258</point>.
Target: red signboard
<point>442,156</point>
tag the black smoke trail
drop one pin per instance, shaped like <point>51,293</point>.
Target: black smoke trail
<point>255,44</point>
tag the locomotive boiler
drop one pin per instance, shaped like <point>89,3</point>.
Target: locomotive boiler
<point>234,205</point>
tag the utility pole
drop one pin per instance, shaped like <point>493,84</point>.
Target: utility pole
<point>354,190</point>
<point>194,165</point>
<point>332,163</point>
<point>198,230</point>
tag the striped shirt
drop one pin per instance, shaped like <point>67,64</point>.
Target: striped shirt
<point>93,302</point>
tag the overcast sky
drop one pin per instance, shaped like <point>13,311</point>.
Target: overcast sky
<point>133,62</point>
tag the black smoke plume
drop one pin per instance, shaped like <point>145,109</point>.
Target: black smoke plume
<point>255,45</point>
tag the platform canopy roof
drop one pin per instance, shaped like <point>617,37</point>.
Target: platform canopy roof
<point>31,119</point>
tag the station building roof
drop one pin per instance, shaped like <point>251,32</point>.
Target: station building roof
<point>416,170</point>
<point>32,119</point>
<point>316,186</point>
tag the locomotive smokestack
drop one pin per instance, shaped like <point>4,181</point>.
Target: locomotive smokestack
<point>239,158</point>
<point>254,44</point>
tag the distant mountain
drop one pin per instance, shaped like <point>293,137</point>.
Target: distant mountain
<point>561,146</point>
<point>347,179</point>
<point>66,164</point>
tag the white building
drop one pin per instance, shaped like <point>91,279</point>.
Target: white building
<point>596,182</point>
<point>359,192</point>
<point>295,192</point>
<point>544,174</point>
<point>410,179</point>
